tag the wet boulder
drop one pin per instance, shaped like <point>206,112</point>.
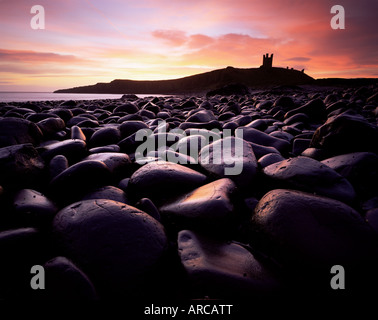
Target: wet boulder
<point>19,131</point>
<point>309,175</point>
<point>159,179</point>
<point>67,282</point>
<point>360,169</point>
<point>208,205</point>
<point>219,269</point>
<point>21,166</point>
<point>309,234</point>
<point>118,246</point>
<point>346,134</point>
<point>232,158</point>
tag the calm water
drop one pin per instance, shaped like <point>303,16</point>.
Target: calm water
<point>49,96</point>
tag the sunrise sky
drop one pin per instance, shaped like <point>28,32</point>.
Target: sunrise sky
<point>90,41</point>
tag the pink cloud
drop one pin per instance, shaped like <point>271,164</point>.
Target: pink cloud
<point>173,37</point>
<point>36,57</point>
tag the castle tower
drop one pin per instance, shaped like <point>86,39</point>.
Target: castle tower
<point>267,61</point>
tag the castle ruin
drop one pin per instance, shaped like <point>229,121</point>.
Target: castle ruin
<point>267,61</point>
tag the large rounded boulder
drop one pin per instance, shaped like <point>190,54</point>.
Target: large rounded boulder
<point>310,234</point>
<point>118,246</point>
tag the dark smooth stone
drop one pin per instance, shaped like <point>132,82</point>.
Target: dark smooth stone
<point>187,104</point>
<point>118,246</point>
<point>206,105</point>
<point>209,135</point>
<point>36,117</point>
<point>163,115</point>
<point>159,180</point>
<point>33,209</point>
<point>201,125</point>
<point>176,157</point>
<point>231,106</point>
<point>147,114</point>
<point>305,135</point>
<point>74,121</point>
<point>285,102</point>
<point>86,115</point>
<point>298,117</point>
<point>310,175</point>
<point>360,169</point>
<point>231,126</point>
<point>191,145</point>
<point>260,150</point>
<point>117,163</point>
<point>123,184</point>
<point>346,134</point>
<point>279,115</point>
<point>104,149</point>
<point>206,206</point>
<point>202,116</point>
<point>57,165</point>
<point>131,97</point>
<point>315,109</point>
<point>292,130</point>
<point>24,110</point>
<point>299,145</point>
<point>64,114</point>
<point>258,137</point>
<point>339,105</point>
<point>130,144</point>
<point>130,117</point>
<point>78,179</point>
<point>21,166</point>
<point>309,233</point>
<point>232,158</point>
<point>282,135</point>
<point>67,282</point>
<point>147,206</point>
<point>331,98</point>
<point>88,123</point>
<point>18,131</point>
<point>50,126</point>
<point>269,159</point>
<point>163,139</point>
<point>373,98</point>
<point>77,133</point>
<point>127,107</point>
<point>20,111</point>
<point>130,127</point>
<point>109,193</point>
<point>151,107</point>
<point>226,116</point>
<point>221,270</point>
<point>73,150</point>
<point>258,124</point>
<point>104,137</point>
<point>314,153</point>
<point>69,103</point>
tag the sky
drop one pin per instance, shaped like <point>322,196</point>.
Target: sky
<point>89,41</point>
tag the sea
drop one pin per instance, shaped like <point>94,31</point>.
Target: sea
<point>50,96</point>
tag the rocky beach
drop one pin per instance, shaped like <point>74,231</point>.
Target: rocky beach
<point>136,197</point>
